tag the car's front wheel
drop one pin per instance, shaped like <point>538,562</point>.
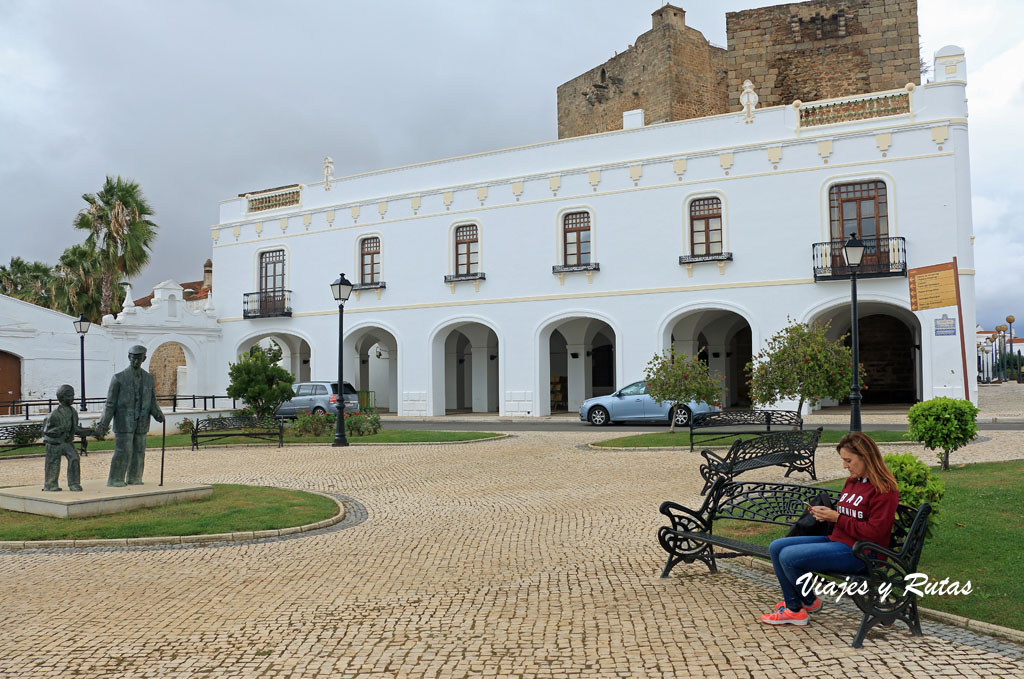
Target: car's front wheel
<point>598,416</point>
<point>682,415</point>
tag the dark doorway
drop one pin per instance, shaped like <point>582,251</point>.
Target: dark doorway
<point>888,354</point>
<point>10,381</point>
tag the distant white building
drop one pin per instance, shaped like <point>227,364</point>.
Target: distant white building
<point>527,279</point>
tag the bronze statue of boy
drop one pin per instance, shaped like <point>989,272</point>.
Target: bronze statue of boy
<point>59,433</point>
<point>130,403</point>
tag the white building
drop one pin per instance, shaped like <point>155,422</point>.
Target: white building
<point>526,278</point>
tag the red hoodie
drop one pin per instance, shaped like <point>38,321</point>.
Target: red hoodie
<point>864,513</point>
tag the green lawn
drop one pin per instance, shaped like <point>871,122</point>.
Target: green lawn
<point>383,436</point>
<point>230,509</point>
<point>682,438</point>
<point>977,538</point>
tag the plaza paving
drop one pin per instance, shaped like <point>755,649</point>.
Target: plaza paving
<point>531,556</point>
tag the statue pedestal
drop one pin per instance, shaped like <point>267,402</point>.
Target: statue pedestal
<point>96,498</point>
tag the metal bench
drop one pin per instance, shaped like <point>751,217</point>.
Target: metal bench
<point>14,436</point>
<point>215,428</point>
<point>791,449</point>
<point>763,419</point>
<point>690,537</point>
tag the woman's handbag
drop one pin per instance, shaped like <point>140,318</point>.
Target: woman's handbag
<point>807,524</point>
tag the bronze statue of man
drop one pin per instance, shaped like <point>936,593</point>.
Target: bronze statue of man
<point>130,403</point>
<point>59,433</point>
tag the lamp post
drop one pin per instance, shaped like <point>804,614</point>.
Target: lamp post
<point>1002,351</point>
<point>1010,320</point>
<point>854,252</point>
<point>341,289</point>
<point>81,327</point>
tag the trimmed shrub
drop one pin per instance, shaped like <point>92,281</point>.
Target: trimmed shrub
<point>185,426</point>
<point>916,483</point>
<point>943,423</point>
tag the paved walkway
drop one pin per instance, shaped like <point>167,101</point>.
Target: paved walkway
<point>530,556</point>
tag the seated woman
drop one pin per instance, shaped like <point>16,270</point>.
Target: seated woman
<point>866,511</point>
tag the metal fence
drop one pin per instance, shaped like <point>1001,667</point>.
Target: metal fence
<point>191,402</point>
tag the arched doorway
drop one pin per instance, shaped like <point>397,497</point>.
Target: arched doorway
<point>376,354</point>
<point>295,353</point>
<point>890,350</point>
<point>10,381</point>
<point>466,360</point>
<point>578,361</point>
<point>722,339</point>
<point>169,369</point>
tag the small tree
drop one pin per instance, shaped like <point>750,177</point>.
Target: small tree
<point>678,379</point>
<point>945,423</point>
<point>801,362</point>
<point>260,382</point>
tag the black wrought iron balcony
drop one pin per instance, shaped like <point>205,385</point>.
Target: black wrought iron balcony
<point>882,257</point>
<point>267,304</point>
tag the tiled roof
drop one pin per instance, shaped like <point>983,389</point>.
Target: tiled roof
<point>196,287</point>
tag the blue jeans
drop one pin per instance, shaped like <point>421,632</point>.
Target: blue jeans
<point>792,557</point>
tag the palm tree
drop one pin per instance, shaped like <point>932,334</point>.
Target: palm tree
<point>27,281</point>
<point>120,233</point>
<point>77,284</point>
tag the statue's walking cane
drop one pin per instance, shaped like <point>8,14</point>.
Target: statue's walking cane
<point>163,446</point>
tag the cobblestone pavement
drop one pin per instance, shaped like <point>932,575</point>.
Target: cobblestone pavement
<point>531,556</point>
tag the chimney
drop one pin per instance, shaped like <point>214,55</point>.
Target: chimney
<point>632,119</point>
<point>208,275</point>
<point>669,14</point>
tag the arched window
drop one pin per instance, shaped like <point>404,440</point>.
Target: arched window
<point>706,226</point>
<point>859,208</point>
<point>369,258</point>
<point>467,250</point>
<point>576,239</point>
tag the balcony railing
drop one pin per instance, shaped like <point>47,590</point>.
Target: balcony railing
<point>267,304</point>
<point>882,257</point>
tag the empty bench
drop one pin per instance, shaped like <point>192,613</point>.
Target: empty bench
<point>14,436</point>
<point>763,420</point>
<point>791,449</point>
<point>216,428</point>
<point>690,537</point>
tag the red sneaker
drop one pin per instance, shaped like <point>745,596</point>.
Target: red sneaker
<point>784,616</point>
<point>810,608</point>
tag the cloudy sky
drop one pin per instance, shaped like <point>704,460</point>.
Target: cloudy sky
<point>199,101</point>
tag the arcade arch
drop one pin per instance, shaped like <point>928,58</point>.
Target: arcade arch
<point>722,338</point>
<point>465,368</point>
<point>376,354</point>
<point>577,362</point>
<point>295,352</point>
<point>890,349</point>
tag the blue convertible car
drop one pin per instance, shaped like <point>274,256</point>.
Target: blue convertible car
<point>633,404</point>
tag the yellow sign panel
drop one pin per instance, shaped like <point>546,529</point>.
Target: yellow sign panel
<point>932,286</point>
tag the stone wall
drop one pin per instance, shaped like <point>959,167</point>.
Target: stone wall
<point>163,366</point>
<point>672,73</point>
<point>822,49</point>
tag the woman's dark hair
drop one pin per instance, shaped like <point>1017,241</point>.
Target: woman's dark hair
<point>878,473</point>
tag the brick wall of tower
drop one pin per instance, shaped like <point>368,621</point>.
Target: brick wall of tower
<point>671,73</point>
<point>822,49</point>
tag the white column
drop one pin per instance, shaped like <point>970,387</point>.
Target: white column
<point>451,384</point>
<point>392,399</point>
<point>577,375</point>
<point>479,379</point>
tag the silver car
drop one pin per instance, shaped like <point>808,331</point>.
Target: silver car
<point>632,403</point>
<point>317,398</point>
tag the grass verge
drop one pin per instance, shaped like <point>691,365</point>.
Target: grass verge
<point>979,523</point>
<point>185,441</point>
<point>231,508</point>
<point>682,438</point>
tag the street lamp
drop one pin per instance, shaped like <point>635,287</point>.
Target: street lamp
<point>854,252</point>
<point>341,289</point>
<point>1010,320</point>
<point>81,327</point>
<point>1002,351</point>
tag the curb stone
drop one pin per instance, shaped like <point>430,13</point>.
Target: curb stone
<point>243,536</point>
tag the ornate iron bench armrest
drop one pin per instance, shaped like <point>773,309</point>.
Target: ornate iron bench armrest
<point>683,518</point>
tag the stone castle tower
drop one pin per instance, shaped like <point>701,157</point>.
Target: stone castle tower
<point>806,50</point>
